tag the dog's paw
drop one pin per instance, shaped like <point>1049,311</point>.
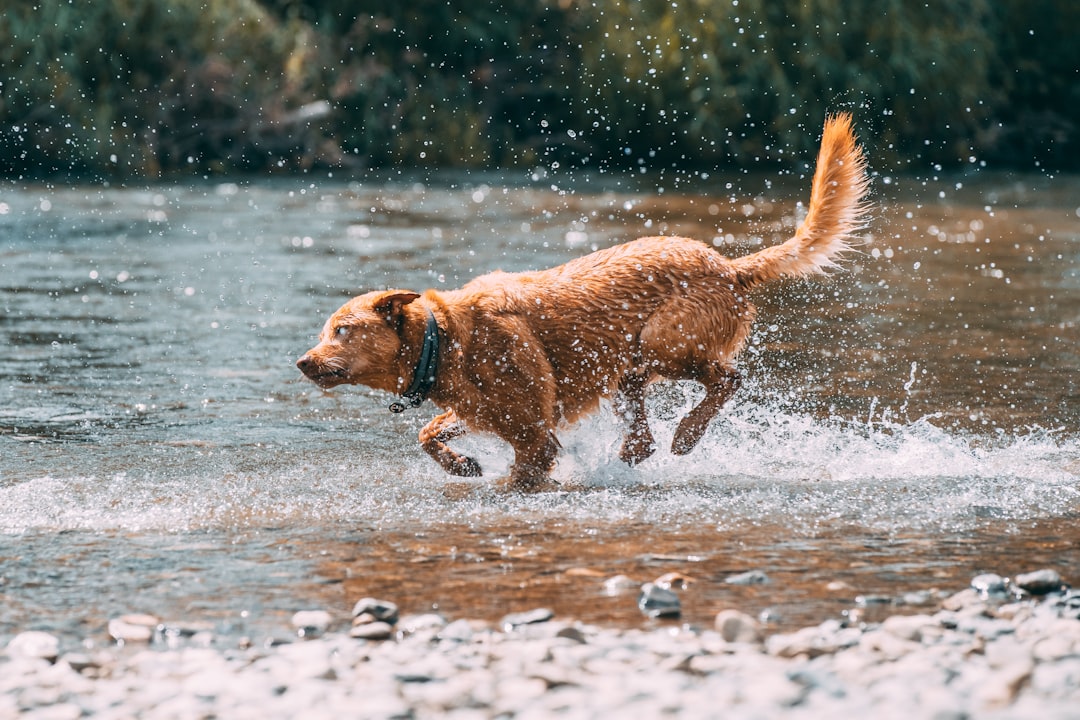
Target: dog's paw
<point>465,467</point>
<point>687,436</point>
<point>529,484</point>
<point>683,445</point>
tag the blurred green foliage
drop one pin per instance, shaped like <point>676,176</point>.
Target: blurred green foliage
<point>146,87</point>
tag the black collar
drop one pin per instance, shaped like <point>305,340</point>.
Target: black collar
<point>426,369</point>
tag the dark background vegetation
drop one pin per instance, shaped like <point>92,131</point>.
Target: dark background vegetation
<point>144,88</point>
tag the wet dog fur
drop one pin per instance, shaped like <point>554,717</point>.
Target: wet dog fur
<point>523,353</point>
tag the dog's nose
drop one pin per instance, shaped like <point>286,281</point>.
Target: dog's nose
<point>305,364</point>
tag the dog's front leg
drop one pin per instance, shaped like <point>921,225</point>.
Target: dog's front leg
<point>435,435</point>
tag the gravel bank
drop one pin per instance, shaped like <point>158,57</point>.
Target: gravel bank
<point>996,650</point>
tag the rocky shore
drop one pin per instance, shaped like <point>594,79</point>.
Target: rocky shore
<point>998,649</point>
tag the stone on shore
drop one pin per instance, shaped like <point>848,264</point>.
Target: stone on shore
<point>134,628</point>
<point>311,622</point>
<point>1020,659</point>
<point>34,644</point>
<point>737,627</point>
<point>372,631</point>
<point>531,617</point>
<point>1039,582</point>
<point>374,610</point>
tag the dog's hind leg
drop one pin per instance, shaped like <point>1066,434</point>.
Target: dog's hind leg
<point>433,439</point>
<point>697,337</point>
<point>720,384</point>
<point>638,443</point>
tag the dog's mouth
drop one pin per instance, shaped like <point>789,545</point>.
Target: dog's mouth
<point>319,373</point>
<point>326,378</point>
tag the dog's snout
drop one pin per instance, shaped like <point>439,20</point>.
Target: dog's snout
<point>305,364</point>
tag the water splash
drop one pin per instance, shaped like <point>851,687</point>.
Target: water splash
<point>756,464</point>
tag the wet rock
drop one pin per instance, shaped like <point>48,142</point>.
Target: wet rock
<point>135,628</point>
<point>174,634</point>
<point>750,577</point>
<point>531,617</point>
<point>372,631</point>
<point>1040,582</point>
<point>737,627</point>
<point>572,633</point>
<point>770,616</point>
<point>918,598</point>
<point>872,600</point>
<point>990,585</point>
<point>619,584</point>
<point>374,610</point>
<point>674,580</point>
<point>658,602</point>
<point>309,623</point>
<point>34,644</point>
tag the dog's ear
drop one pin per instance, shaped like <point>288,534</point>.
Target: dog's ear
<point>390,305</point>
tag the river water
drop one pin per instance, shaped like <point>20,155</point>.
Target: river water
<point>906,424</point>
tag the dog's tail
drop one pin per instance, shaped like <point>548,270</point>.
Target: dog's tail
<point>837,211</point>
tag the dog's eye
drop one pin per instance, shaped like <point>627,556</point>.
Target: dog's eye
<point>341,331</point>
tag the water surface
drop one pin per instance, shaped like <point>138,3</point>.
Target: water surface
<point>904,425</point>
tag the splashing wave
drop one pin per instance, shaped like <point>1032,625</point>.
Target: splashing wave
<point>756,465</point>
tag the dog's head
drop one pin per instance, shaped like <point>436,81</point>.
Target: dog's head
<point>359,343</point>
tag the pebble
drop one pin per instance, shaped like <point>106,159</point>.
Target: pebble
<point>311,622</point>
<point>136,628</point>
<point>1039,582</point>
<point>514,620</point>
<point>462,630</point>
<point>422,621</point>
<point>918,597</point>
<point>981,659</point>
<point>750,577</point>
<point>372,631</point>
<point>34,644</point>
<point>658,602</point>
<point>737,627</point>
<point>619,584</point>
<point>674,580</point>
<point>990,585</point>
<point>373,610</point>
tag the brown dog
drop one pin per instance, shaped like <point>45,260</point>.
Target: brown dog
<point>516,354</point>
